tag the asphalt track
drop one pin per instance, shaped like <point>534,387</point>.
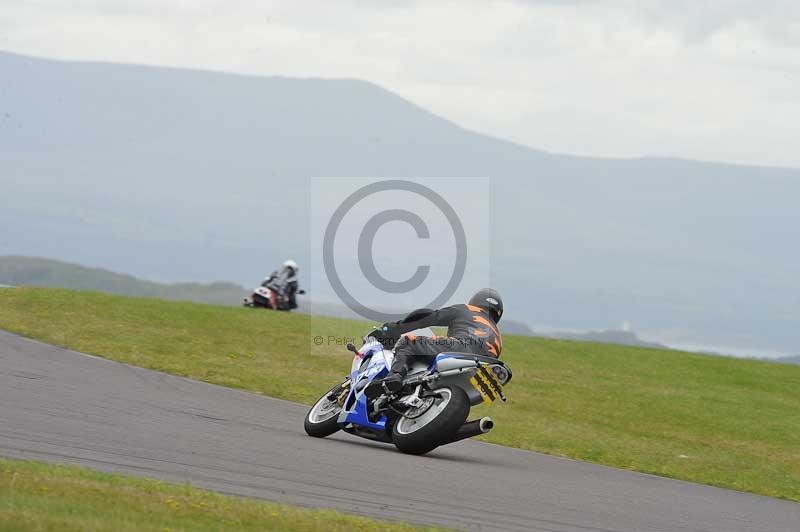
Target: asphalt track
<point>60,406</point>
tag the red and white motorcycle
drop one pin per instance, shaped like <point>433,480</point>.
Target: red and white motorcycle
<point>272,295</point>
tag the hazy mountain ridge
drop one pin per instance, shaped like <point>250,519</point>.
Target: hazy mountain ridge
<point>19,271</point>
<point>610,336</point>
<point>196,175</point>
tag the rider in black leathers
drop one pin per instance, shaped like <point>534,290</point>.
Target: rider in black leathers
<point>471,328</point>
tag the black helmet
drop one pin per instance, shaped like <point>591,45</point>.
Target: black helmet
<point>489,300</point>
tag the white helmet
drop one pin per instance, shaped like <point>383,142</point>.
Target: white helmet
<point>291,264</point>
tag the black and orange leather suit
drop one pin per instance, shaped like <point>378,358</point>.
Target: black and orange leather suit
<point>470,329</point>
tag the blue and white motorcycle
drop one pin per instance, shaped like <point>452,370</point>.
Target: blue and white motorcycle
<point>431,409</point>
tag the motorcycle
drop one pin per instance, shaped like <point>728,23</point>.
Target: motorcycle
<point>432,408</point>
<point>270,295</point>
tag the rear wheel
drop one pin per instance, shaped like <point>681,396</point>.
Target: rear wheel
<point>423,429</point>
<point>321,419</point>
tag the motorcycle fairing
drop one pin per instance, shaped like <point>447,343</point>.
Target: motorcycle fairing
<point>371,362</point>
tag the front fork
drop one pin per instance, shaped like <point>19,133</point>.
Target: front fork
<point>339,394</point>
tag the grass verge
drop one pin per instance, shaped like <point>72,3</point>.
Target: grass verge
<point>44,497</point>
<point>715,420</point>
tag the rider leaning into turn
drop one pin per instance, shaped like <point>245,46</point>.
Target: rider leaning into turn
<point>471,328</point>
<point>286,278</point>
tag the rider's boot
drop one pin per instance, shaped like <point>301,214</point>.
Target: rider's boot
<point>392,383</point>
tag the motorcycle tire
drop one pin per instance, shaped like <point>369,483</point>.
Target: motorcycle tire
<point>436,426</point>
<point>321,420</point>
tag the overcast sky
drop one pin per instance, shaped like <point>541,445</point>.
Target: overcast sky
<point>714,80</point>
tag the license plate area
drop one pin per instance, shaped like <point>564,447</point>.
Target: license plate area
<point>486,384</point>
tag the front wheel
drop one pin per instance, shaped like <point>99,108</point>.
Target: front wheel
<point>424,429</point>
<point>321,420</point>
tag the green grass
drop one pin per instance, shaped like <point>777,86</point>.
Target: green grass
<point>43,497</point>
<point>720,421</point>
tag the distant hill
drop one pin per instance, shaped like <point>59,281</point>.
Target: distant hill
<point>608,337</point>
<point>789,360</point>
<point>184,175</point>
<point>515,327</point>
<point>18,271</point>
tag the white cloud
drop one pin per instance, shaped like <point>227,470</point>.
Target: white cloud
<point>703,80</point>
